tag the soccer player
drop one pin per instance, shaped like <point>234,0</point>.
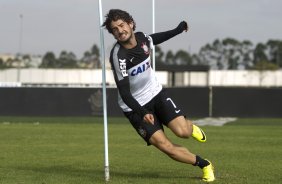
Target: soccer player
<point>141,97</point>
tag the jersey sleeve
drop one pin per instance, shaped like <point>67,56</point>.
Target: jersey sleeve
<point>161,37</point>
<point>124,90</point>
<point>123,85</point>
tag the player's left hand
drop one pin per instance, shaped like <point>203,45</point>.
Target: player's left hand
<point>149,118</point>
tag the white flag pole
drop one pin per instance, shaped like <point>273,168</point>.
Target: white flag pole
<point>102,53</point>
<point>153,30</point>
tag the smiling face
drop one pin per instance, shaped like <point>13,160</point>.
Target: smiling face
<point>122,31</point>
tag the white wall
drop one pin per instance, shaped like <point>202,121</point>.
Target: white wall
<point>245,78</point>
<point>195,79</point>
<point>87,77</point>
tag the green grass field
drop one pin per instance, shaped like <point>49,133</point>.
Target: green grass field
<point>71,151</point>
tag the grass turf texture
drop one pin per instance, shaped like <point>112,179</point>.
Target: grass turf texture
<point>70,150</point>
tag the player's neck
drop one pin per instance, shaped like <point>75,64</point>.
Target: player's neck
<point>131,43</point>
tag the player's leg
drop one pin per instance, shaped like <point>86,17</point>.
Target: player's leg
<point>180,127</point>
<point>182,154</point>
<point>171,115</point>
<point>176,152</point>
<point>184,128</point>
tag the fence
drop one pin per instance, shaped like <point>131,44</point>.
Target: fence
<point>194,101</point>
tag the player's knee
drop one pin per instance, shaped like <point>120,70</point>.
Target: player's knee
<point>183,132</point>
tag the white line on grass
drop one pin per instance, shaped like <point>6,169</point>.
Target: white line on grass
<point>214,121</point>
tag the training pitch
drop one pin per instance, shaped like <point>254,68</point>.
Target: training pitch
<point>70,150</point>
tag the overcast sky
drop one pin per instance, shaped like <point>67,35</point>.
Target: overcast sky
<point>73,25</point>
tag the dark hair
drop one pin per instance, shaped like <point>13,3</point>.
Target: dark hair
<point>116,14</point>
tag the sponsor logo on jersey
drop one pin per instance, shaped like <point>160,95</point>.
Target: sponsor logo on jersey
<point>145,48</point>
<point>140,69</point>
<point>122,67</point>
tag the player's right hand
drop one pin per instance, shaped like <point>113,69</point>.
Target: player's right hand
<point>149,118</point>
<point>183,26</point>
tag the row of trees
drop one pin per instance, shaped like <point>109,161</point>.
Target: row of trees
<point>232,54</point>
<point>21,61</point>
<point>228,53</point>
<point>90,59</point>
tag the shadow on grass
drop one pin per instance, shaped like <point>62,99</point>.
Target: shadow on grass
<point>97,174</point>
<point>149,175</point>
<point>65,171</point>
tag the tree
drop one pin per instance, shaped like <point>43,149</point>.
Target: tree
<point>159,54</point>
<point>26,59</point>
<point>95,51</point>
<point>275,51</point>
<point>218,55</point>
<point>67,60</point>
<point>260,53</point>
<point>86,60</point>
<point>49,61</point>
<point>232,53</point>
<point>182,58</point>
<point>195,59</point>
<point>9,62</point>
<point>2,64</point>
<point>91,58</point>
<point>207,56</point>
<point>226,54</point>
<point>247,54</point>
<point>169,58</point>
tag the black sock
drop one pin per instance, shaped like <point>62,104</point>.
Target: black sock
<point>201,162</point>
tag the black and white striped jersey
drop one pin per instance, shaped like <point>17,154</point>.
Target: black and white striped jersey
<point>136,80</point>
<point>133,72</point>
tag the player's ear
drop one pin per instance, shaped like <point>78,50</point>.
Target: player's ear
<point>131,25</point>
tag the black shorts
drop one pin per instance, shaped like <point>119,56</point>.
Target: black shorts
<point>164,110</point>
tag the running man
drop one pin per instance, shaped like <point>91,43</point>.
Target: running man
<point>141,96</point>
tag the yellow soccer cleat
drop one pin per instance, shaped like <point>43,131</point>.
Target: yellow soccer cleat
<point>198,134</point>
<point>208,173</point>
